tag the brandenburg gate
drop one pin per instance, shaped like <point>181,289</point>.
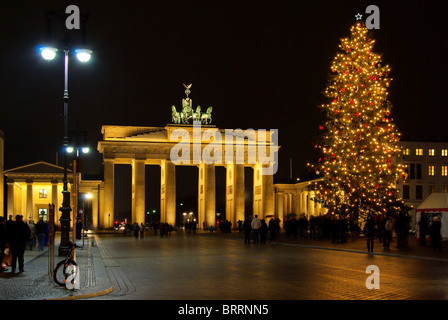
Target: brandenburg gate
<point>191,140</point>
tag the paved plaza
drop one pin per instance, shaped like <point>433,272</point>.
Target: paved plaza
<point>203,266</point>
<point>220,266</point>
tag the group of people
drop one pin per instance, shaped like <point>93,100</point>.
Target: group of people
<point>382,226</point>
<point>138,230</point>
<point>259,230</point>
<point>337,228</point>
<point>17,235</point>
<point>325,227</point>
<point>430,225</point>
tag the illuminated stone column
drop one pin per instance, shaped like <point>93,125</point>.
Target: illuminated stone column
<point>296,203</point>
<point>54,199</point>
<point>235,193</point>
<point>206,195</point>
<point>263,193</point>
<point>10,207</point>
<point>108,215</point>
<point>29,199</point>
<point>138,191</point>
<point>310,204</point>
<point>95,209</point>
<point>303,202</point>
<point>280,209</point>
<point>168,192</point>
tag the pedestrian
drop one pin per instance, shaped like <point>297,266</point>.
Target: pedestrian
<point>369,232</point>
<point>343,226</point>
<point>10,222</point>
<point>79,227</point>
<point>136,230</point>
<point>313,224</point>
<point>32,240</point>
<point>272,229</point>
<point>240,225</point>
<point>401,229</point>
<point>256,225</point>
<point>436,226</point>
<point>3,239</point>
<point>142,230</point>
<point>302,226</point>
<point>423,228</point>
<point>18,236</point>
<point>263,231</point>
<point>247,230</point>
<point>40,231</point>
<point>380,221</point>
<point>387,236</point>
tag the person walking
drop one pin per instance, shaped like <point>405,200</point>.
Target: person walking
<point>142,230</point>
<point>423,228</point>
<point>272,229</point>
<point>32,240</point>
<point>18,236</point>
<point>369,232</point>
<point>263,231</point>
<point>40,231</point>
<point>3,239</point>
<point>256,225</point>
<point>136,230</point>
<point>387,236</point>
<point>436,226</point>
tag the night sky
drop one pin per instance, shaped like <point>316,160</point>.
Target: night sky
<point>260,64</point>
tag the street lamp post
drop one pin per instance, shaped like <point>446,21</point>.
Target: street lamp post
<point>83,55</point>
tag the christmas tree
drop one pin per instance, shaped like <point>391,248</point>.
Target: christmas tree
<point>359,139</point>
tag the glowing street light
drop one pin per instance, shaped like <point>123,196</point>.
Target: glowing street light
<point>48,53</point>
<point>83,55</point>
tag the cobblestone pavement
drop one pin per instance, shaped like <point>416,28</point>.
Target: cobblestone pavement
<point>36,283</point>
<point>220,266</point>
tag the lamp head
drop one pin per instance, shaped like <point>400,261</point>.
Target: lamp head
<point>48,53</point>
<point>69,149</point>
<point>83,55</point>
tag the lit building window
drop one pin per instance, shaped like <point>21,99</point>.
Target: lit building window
<point>406,152</point>
<point>445,188</point>
<point>444,152</point>
<point>444,171</point>
<point>43,193</point>
<point>431,152</point>
<point>431,170</point>
<point>418,152</point>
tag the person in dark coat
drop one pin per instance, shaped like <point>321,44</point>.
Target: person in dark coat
<point>369,232</point>
<point>40,231</point>
<point>3,238</point>
<point>272,229</point>
<point>436,225</point>
<point>263,231</point>
<point>18,237</point>
<point>247,229</point>
<point>423,228</point>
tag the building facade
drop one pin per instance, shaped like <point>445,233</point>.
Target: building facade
<point>426,171</point>
<point>33,187</point>
<point>179,144</point>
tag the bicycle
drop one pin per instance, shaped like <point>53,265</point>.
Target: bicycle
<point>66,269</point>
